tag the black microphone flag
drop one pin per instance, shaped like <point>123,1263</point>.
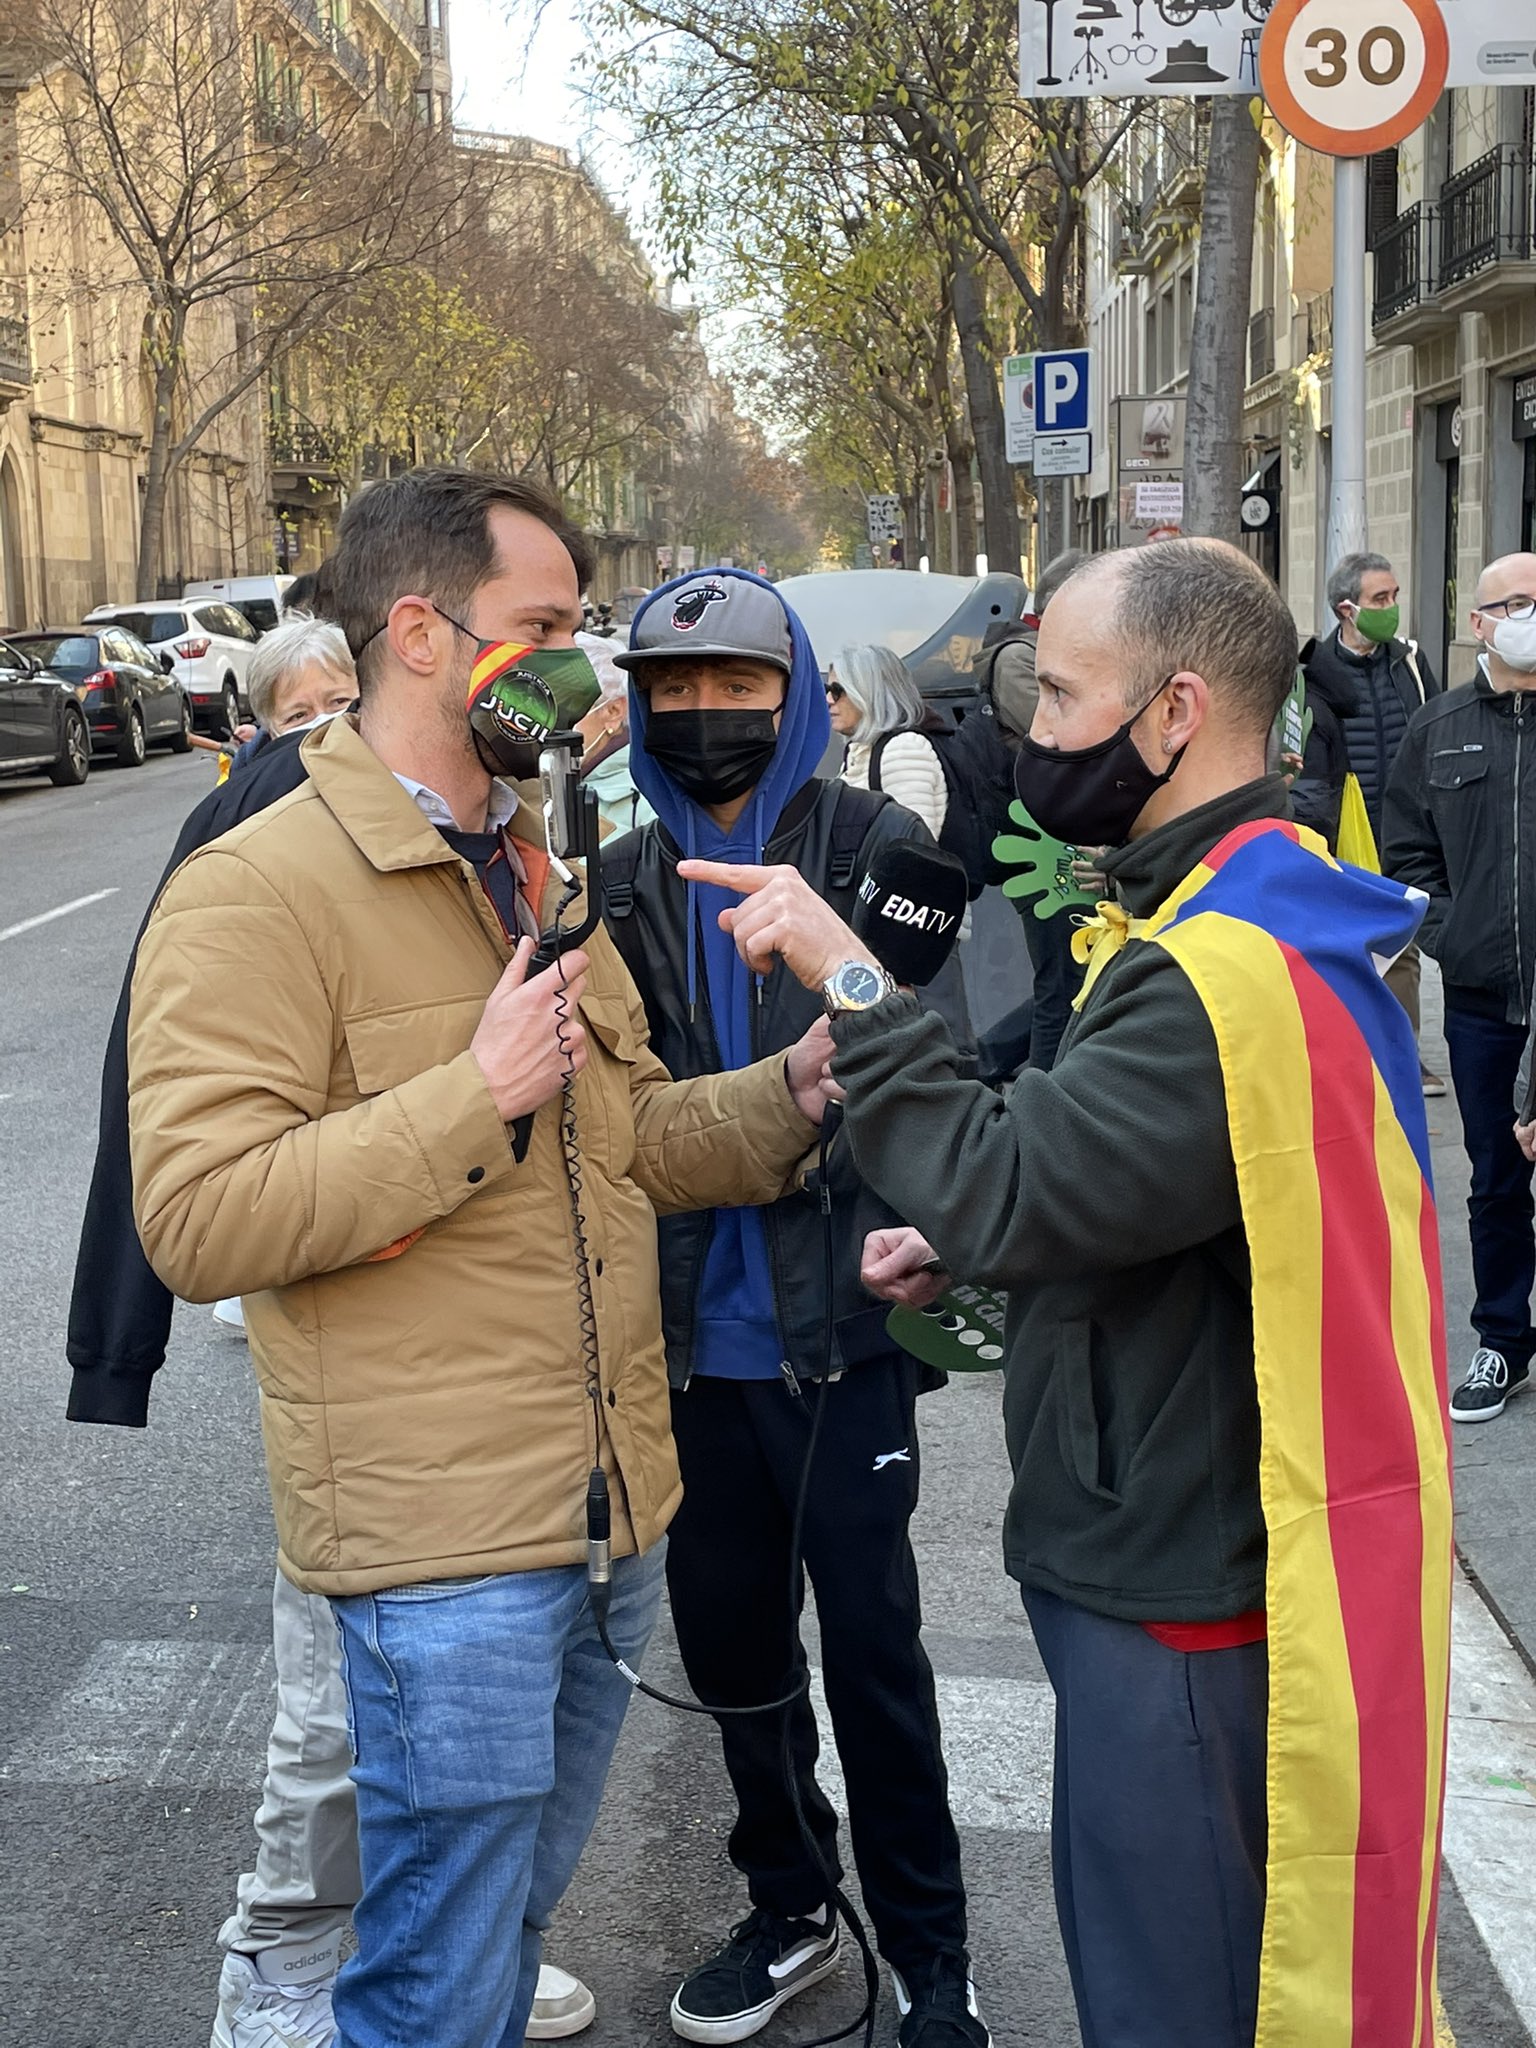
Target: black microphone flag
<point>909,909</point>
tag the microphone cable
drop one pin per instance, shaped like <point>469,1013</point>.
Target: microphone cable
<point>599,1518</point>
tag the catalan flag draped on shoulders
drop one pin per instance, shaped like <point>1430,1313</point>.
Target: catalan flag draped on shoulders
<point>1285,950</point>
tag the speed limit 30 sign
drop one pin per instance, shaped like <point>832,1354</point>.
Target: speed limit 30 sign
<point>1349,77</point>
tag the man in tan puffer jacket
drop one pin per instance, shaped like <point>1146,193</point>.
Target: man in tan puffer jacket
<point>331,1033</point>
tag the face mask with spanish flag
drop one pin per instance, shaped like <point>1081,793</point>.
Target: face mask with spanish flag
<point>518,696</point>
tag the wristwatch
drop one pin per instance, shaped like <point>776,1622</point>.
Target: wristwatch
<point>856,986</point>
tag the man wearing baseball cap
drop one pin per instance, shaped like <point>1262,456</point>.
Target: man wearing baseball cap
<point>729,723</point>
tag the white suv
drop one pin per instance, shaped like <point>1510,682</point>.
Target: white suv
<point>210,643</point>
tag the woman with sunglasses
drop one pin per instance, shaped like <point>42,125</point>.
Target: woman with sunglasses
<point>879,711</point>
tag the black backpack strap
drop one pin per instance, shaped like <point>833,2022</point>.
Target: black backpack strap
<point>875,753</point>
<point>619,868</point>
<point>857,810</point>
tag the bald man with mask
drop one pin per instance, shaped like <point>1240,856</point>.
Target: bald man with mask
<point>1168,1210</point>
<point>1461,825</point>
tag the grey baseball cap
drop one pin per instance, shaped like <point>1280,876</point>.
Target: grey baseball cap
<point>712,615</point>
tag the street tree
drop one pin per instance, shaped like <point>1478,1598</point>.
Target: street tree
<point>1218,344</point>
<point>909,81</point>
<point>230,189</point>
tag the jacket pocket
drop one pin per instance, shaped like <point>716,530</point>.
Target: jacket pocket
<point>388,1047</point>
<point>1078,1418</point>
<point>1457,767</point>
<point>604,1093</point>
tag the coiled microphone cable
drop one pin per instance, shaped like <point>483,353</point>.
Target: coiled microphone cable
<point>599,1515</point>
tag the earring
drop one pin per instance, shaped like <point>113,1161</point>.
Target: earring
<point>1167,746</point>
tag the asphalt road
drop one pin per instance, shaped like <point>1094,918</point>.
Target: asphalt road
<point>135,1571</point>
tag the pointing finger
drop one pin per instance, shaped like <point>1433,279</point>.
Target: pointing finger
<point>721,874</point>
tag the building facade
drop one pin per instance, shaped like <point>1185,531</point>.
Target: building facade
<point>1451,371</point>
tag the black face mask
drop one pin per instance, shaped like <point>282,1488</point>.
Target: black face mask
<point>713,756</point>
<point>1090,796</point>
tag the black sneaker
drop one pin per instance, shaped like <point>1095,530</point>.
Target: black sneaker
<point>764,1964</point>
<point>1489,1383</point>
<point>937,2004</point>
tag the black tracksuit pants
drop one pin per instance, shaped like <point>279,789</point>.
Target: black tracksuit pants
<point>742,1447</point>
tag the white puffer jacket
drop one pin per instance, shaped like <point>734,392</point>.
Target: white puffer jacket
<point>911,774</point>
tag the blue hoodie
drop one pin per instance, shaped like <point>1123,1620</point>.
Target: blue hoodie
<point>737,1329</point>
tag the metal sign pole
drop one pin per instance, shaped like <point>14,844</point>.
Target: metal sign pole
<point>1346,510</point>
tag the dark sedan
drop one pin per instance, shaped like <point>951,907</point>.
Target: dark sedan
<point>130,699</point>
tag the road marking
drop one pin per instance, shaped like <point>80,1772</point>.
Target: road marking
<point>28,924</point>
<point>158,1712</point>
<point>999,1734</point>
<point>1490,1806</point>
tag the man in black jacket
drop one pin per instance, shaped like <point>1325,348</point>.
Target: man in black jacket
<point>1364,683</point>
<point>1461,825</point>
<point>729,724</point>
<point>1104,1196</point>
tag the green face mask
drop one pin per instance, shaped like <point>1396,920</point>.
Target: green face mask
<point>1379,625</point>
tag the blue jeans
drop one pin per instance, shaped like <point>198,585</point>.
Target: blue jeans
<point>1485,1058</point>
<point>484,1714</point>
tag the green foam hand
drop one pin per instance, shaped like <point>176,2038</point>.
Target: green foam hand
<point>1044,864</point>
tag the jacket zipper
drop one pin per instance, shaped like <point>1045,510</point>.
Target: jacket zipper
<point>1515,813</point>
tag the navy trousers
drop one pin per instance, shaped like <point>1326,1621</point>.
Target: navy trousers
<point>1485,1058</point>
<point>1158,1830</point>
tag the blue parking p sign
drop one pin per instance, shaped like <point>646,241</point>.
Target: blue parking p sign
<point>1061,391</point>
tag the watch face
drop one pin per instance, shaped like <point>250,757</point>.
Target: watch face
<point>859,986</point>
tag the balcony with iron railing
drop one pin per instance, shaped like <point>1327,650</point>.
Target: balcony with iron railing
<point>1400,255</point>
<point>352,60</point>
<point>297,444</point>
<point>1261,345</point>
<point>1486,216</point>
<point>15,341</point>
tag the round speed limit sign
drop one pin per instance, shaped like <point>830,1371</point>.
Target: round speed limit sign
<point>1348,77</point>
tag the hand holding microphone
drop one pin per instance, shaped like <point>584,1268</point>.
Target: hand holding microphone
<point>517,1043</point>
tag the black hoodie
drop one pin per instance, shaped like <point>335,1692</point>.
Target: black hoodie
<point>119,1312</point>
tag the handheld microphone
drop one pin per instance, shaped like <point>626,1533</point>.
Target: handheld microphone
<point>909,909</point>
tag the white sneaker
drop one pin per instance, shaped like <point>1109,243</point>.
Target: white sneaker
<point>562,2006</point>
<point>230,1315</point>
<point>256,2014</point>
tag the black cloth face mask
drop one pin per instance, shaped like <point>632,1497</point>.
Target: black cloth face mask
<point>713,756</point>
<point>1090,796</point>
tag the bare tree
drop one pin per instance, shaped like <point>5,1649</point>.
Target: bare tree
<point>237,187</point>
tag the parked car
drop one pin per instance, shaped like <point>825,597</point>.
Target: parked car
<point>211,644</point>
<point>43,728</point>
<point>130,697</point>
<point>259,599</point>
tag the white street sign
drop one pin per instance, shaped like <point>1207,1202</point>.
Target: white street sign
<point>1104,49</point>
<point>1019,406</point>
<point>1063,454</point>
<point>884,520</point>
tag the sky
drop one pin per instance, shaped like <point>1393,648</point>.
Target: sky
<point>520,67</point>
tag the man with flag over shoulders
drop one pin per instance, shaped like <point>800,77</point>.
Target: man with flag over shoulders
<point>1225,1394</point>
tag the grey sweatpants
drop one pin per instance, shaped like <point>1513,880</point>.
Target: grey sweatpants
<point>306,1881</point>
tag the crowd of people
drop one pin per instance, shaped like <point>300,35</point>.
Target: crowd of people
<point>566,1280</point>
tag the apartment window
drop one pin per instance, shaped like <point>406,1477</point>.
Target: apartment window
<point>1380,194</point>
<point>1186,313</point>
